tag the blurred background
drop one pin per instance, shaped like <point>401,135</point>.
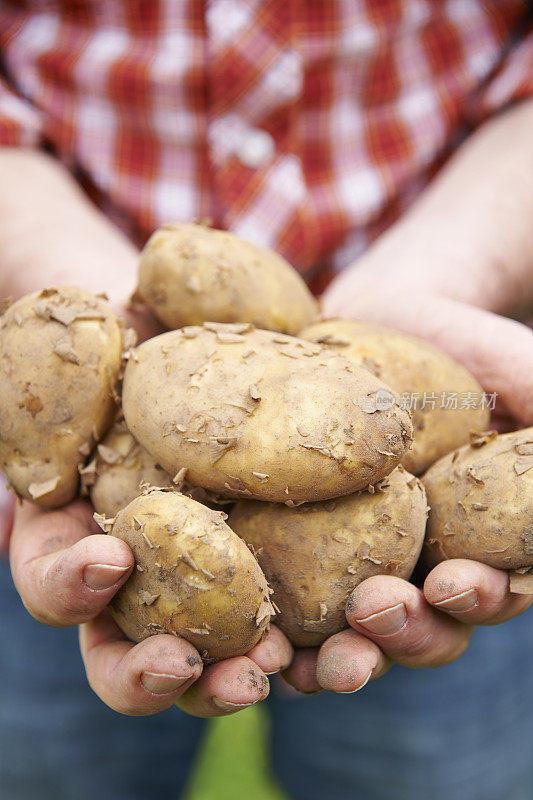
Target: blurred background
<point>233,760</point>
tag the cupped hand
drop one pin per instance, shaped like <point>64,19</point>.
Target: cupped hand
<point>66,571</point>
<point>392,621</point>
<point>496,349</point>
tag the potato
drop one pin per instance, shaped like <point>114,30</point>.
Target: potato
<point>118,470</point>
<point>413,367</point>
<point>315,555</point>
<point>193,578</point>
<point>257,414</point>
<point>481,500</point>
<point>190,274</point>
<point>122,467</point>
<point>60,359</point>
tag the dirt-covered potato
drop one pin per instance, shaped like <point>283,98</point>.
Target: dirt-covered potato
<point>194,577</point>
<point>481,500</point>
<point>257,414</point>
<point>189,274</point>
<point>315,555</point>
<point>119,468</point>
<point>60,359</point>
<point>446,397</point>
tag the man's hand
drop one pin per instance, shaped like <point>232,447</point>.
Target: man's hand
<point>391,620</point>
<point>498,351</point>
<point>447,272</point>
<point>67,571</point>
<point>457,269</point>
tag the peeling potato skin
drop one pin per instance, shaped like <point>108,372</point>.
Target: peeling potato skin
<point>57,381</point>
<point>201,583</point>
<point>122,468</point>
<point>315,555</point>
<point>481,501</point>
<point>121,465</point>
<point>409,364</point>
<point>190,274</point>
<point>260,415</point>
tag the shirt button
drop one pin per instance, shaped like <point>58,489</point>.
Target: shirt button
<point>256,149</point>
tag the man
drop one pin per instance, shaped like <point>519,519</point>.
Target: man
<point>318,129</point>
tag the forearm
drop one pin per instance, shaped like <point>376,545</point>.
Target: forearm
<point>51,234</point>
<point>468,237</point>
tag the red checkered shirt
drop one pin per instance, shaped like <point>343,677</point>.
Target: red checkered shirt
<point>304,125</point>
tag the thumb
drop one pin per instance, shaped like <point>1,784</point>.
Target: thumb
<point>498,351</point>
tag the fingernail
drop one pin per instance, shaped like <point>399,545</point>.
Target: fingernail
<point>361,686</point>
<point>161,683</point>
<point>102,576</point>
<point>460,603</point>
<point>387,622</point>
<point>226,706</point>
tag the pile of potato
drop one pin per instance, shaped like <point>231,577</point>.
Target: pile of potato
<point>257,460</point>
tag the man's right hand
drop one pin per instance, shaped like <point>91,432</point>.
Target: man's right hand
<point>65,569</point>
<point>66,572</point>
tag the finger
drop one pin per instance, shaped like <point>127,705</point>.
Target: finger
<point>347,661</point>
<point>226,687</point>
<point>496,350</point>
<point>64,576</point>
<point>38,532</point>
<point>473,593</point>
<point>395,615</point>
<point>79,510</point>
<point>273,653</point>
<point>499,354</point>
<point>136,679</point>
<point>301,674</point>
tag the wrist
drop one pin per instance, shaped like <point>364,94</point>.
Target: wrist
<point>51,234</point>
<point>417,259</point>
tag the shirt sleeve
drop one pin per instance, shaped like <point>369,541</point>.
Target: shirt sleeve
<point>513,79</point>
<point>20,122</point>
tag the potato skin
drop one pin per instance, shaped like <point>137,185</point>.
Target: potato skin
<point>194,577</point>
<point>410,365</point>
<point>315,555</point>
<point>190,274</point>
<point>60,359</point>
<point>122,467</point>
<point>119,468</point>
<point>481,500</point>
<point>261,415</point>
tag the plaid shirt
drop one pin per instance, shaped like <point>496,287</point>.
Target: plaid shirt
<point>305,125</point>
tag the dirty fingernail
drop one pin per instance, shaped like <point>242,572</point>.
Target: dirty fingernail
<point>102,576</point>
<point>460,603</point>
<point>387,622</point>
<point>163,683</point>
<point>361,686</point>
<point>226,706</point>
